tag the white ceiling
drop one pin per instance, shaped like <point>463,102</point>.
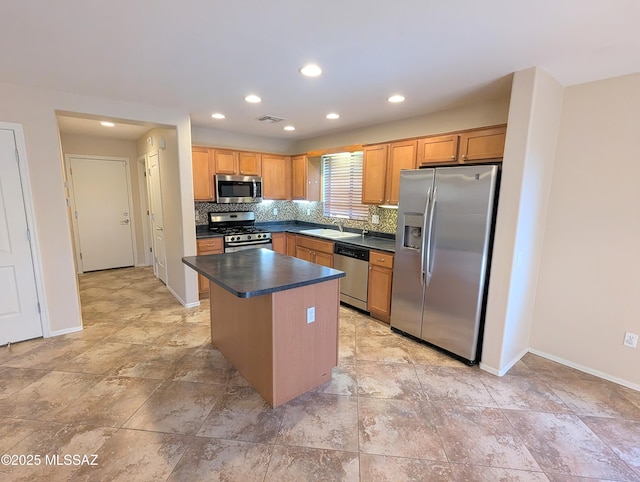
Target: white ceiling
<point>203,56</point>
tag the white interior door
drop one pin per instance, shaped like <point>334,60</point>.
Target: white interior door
<point>157,221</point>
<point>19,313</point>
<point>102,213</point>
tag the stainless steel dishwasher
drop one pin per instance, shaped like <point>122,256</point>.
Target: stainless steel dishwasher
<point>354,262</point>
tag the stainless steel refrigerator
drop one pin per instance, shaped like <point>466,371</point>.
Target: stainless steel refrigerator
<point>445,221</point>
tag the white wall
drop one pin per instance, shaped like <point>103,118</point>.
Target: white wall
<point>35,109</point>
<point>104,146</point>
<point>179,235</point>
<point>588,291</point>
<point>474,115</point>
<point>534,116</point>
<point>234,140</point>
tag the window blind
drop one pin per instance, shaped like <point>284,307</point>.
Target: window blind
<point>342,186</point>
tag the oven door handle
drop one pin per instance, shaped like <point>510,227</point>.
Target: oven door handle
<point>250,243</point>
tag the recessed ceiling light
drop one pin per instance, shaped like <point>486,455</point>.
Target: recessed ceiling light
<point>107,124</point>
<point>289,128</point>
<point>311,70</point>
<point>333,115</point>
<point>218,115</point>
<point>253,99</point>
<point>396,98</point>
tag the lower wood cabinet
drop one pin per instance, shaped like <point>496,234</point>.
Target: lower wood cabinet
<point>279,242</point>
<point>314,250</point>
<point>291,244</point>
<point>380,281</point>
<point>207,246</point>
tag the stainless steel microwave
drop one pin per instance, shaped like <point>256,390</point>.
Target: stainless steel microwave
<point>238,189</point>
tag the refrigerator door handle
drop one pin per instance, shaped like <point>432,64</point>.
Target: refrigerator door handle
<point>424,237</point>
<point>429,236</point>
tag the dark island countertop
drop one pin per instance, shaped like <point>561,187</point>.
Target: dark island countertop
<point>255,272</point>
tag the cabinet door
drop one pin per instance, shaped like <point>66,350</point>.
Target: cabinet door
<point>482,144</point>
<point>374,173</point>
<point>324,259</point>
<point>304,253</point>
<point>402,155</point>
<point>379,293</point>
<point>249,164</point>
<point>279,242</point>
<point>299,177</point>
<point>276,176</point>
<point>225,162</point>
<point>438,149</point>
<point>202,174</point>
<point>207,246</point>
<point>291,244</point>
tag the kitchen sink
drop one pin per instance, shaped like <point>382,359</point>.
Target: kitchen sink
<point>329,233</point>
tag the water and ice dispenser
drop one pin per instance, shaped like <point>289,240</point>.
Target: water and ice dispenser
<point>412,230</point>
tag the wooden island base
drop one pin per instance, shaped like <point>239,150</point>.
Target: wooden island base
<point>268,340</point>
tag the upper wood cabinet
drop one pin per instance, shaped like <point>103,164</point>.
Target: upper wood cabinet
<point>382,164</point>
<point>475,145</point>
<point>276,177</point>
<point>225,161</point>
<point>374,173</point>
<point>238,163</point>
<point>482,144</point>
<point>402,155</point>
<point>202,174</point>
<point>306,175</point>
<point>249,164</point>
<point>438,149</point>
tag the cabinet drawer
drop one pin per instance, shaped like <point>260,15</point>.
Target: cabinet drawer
<point>384,260</point>
<point>210,245</point>
<point>314,244</point>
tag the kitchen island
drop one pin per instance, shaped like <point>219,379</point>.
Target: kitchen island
<point>274,317</point>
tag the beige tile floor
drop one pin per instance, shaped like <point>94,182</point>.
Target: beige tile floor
<point>143,389</point>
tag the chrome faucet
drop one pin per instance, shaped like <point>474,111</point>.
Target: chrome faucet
<point>340,223</point>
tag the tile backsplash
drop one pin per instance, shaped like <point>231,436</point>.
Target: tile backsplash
<point>300,211</point>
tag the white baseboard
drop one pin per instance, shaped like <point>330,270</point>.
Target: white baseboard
<point>503,371</point>
<point>66,331</point>
<point>590,371</point>
<point>182,302</point>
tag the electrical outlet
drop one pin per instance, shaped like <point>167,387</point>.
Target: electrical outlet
<point>311,314</point>
<point>308,212</point>
<point>375,219</point>
<point>275,211</point>
<point>631,340</point>
<point>197,216</point>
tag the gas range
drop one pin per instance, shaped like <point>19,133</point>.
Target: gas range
<point>239,231</point>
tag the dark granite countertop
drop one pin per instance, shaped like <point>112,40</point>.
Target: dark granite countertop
<point>255,272</point>
<point>379,241</point>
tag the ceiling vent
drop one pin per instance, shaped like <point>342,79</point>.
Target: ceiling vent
<point>270,119</point>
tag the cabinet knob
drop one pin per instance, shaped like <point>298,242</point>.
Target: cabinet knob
<point>380,259</point>
<point>453,158</point>
<point>464,157</point>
